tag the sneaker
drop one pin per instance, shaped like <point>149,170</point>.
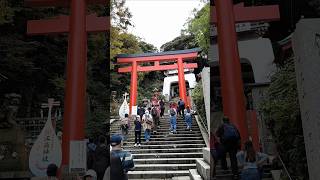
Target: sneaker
<point>147,141</point>
<point>139,145</point>
<point>190,130</point>
<point>135,145</point>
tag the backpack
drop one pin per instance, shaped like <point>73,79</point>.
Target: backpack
<point>154,112</point>
<point>116,167</point>
<point>181,103</point>
<point>172,112</point>
<point>230,132</point>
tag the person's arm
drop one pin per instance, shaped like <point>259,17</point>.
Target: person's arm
<point>262,158</point>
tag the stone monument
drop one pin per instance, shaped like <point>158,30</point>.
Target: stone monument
<point>13,151</point>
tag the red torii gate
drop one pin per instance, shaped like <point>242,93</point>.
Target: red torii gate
<point>225,14</point>
<point>78,24</point>
<point>156,58</point>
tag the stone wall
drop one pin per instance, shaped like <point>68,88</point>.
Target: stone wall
<point>306,45</point>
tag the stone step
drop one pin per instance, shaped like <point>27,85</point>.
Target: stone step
<point>168,155</point>
<point>156,174</point>
<point>194,175</point>
<point>182,131</point>
<point>162,127</point>
<point>166,167</point>
<point>266,176</point>
<point>176,150</point>
<point>168,142</point>
<point>166,161</point>
<point>173,178</point>
<point>165,146</point>
<point>203,169</point>
<point>160,132</point>
<point>169,138</point>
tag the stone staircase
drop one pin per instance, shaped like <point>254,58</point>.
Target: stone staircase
<point>167,156</point>
<point>202,171</point>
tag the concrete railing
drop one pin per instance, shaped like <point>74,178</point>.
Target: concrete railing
<point>204,131</point>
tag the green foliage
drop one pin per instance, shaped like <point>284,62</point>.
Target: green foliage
<point>120,14</point>
<point>146,47</point>
<point>199,26</point>
<point>281,109</point>
<point>195,34</point>
<point>315,4</point>
<point>180,43</point>
<point>6,12</point>
<point>197,96</point>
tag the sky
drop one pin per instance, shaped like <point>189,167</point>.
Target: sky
<point>160,21</point>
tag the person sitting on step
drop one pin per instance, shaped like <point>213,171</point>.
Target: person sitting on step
<point>125,126</point>
<point>251,162</point>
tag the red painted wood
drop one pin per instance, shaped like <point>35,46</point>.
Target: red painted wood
<point>61,25</point>
<point>75,93</point>
<point>158,67</point>
<point>182,82</point>
<point>134,85</point>
<point>63,3</point>
<point>97,24</point>
<point>230,68</point>
<point>254,128</point>
<point>251,14</point>
<point>167,58</point>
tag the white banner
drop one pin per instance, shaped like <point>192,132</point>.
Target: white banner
<point>124,108</point>
<point>78,156</point>
<point>46,150</point>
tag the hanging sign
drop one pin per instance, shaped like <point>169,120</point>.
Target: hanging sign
<point>46,149</point>
<point>78,156</point>
<point>124,108</point>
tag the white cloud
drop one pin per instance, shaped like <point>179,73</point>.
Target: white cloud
<point>160,21</point>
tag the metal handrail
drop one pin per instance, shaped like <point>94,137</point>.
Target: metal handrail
<point>285,168</point>
<point>203,124</point>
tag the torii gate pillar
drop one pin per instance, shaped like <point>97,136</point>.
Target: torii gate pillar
<point>182,82</point>
<point>230,67</point>
<point>134,85</point>
<point>225,15</point>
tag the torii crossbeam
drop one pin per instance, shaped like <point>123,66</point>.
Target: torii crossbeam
<point>225,15</point>
<point>78,24</point>
<point>170,56</point>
